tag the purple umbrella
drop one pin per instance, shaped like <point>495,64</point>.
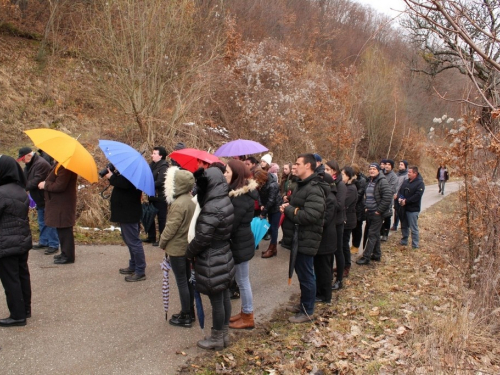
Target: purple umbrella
<point>240,147</point>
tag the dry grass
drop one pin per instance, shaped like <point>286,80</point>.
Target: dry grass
<point>410,314</point>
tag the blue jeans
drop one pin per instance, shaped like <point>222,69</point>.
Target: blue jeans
<point>243,279</point>
<point>441,186</point>
<point>130,235</point>
<point>48,235</point>
<point>411,224</point>
<point>304,268</point>
<point>274,220</point>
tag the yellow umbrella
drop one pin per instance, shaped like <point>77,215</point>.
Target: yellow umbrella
<point>66,150</point>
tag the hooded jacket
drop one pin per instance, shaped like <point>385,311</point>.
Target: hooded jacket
<point>307,209</point>
<point>15,233</point>
<point>412,191</point>
<point>213,259</point>
<point>178,185</point>
<point>36,171</point>
<point>242,239</point>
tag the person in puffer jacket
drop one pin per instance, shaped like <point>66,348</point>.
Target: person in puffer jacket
<point>211,253</point>
<point>15,242</point>
<point>243,193</point>
<point>174,239</point>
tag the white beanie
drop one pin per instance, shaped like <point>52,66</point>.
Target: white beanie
<point>267,158</point>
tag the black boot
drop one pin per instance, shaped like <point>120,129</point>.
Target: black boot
<point>181,320</point>
<point>192,314</point>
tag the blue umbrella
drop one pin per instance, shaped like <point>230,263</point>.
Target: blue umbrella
<point>259,228</point>
<point>198,301</point>
<point>131,164</point>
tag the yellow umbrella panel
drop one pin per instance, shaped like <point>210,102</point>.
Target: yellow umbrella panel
<point>66,150</point>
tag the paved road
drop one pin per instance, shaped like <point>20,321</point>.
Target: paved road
<point>88,320</point>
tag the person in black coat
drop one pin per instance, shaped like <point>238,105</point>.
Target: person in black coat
<point>410,198</point>
<point>159,168</point>
<point>351,198</point>
<point>126,210</point>
<point>357,233</point>
<point>270,201</point>
<point>243,193</point>
<point>323,260</point>
<point>15,242</point>
<point>210,250</point>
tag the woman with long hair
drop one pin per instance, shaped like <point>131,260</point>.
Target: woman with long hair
<point>351,198</point>
<point>243,193</point>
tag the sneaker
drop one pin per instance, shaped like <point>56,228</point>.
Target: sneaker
<point>126,271</point>
<point>51,250</point>
<point>294,308</point>
<point>300,318</point>
<point>135,277</point>
<point>40,246</point>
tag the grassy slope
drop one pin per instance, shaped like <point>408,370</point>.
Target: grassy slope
<point>380,323</point>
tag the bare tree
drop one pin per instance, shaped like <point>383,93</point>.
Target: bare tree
<point>150,55</point>
<point>462,35</point>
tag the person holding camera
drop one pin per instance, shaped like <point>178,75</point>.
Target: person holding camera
<point>126,209</point>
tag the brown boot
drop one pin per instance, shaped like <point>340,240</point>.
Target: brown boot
<point>270,252</point>
<point>246,322</point>
<point>234,318</point>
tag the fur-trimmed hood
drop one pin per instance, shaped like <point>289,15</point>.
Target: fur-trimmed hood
<point>177,182</point>
<point>250,187</point>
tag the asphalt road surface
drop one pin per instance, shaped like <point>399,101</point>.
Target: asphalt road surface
<point>87,320</point>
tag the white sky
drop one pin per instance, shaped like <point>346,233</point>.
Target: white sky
<point>385,5</point>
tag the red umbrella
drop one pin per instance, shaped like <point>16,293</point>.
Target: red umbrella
<point>188,158</point>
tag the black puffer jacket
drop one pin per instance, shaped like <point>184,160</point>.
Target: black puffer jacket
<point>270,196</point>
<point>360,183</point>
<point>340,217</point>
<point>328,243</point>
<point>159,169</point>
<point>15,233</point>
<point>307,209</point>
<point>36,171</point>
<point>214,263</point>
<point>242,239</point>
<point>125,200</point>
<point>350,206</point>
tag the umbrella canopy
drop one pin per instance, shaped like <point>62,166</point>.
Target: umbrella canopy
<point>259,228</point>
<point>148,216</point>
<point>66,150</point>
<point>293,253</point>
<point>130,163</point>
<point>188,158</point>
<point>240,147</point>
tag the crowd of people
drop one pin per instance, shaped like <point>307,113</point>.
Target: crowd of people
<point>204,223</point>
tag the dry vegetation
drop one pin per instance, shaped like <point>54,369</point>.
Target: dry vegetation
<point>409,314</point>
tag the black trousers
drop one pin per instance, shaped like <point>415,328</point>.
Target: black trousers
<point>323,271</point>
<point>221,309</point>
<point>357,234</point>
<point>161,206</point>
<point>15,276</point>
<point>339,252</point>
<point>67,241</point>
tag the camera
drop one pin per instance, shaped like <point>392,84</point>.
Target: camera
<point>104,172</point>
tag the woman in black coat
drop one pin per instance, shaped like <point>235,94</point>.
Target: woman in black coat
<point>351,199</point>
<point>15,242</point>
<point>210,250</point>
<point>243,194</point>
<point>270,200</point>
<point>323,259</point>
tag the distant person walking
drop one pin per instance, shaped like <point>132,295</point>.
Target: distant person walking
<point>15,242</point>
<point>442,176</point>
<point>410,198</point>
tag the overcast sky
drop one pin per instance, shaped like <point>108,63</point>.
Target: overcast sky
<point>385,5</point>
